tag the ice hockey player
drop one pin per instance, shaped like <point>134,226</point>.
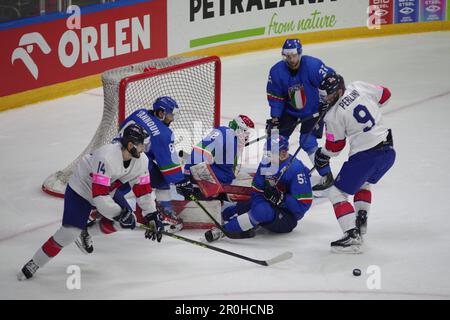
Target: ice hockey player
<point>277,208</point>
<point>94,180</point>
<point>221,149</point>
<point>292,93</point>
<point>355,113</point>
<point>164,166</point>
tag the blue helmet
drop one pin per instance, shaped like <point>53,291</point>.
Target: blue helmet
<point>165,103</point>
<point>277,141</point>
<point>291,46</point>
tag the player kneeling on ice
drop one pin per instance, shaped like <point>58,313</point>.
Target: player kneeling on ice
<point>164,165</point>
<point>355,113</point>
<point>215,160</point>
<point>91,185</point>
<point>280,198</point>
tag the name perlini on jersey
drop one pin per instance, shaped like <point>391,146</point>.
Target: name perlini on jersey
<point>210,8</point>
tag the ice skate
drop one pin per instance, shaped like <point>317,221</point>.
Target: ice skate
<point>28,270</point>
<point>84,242</point>
<point>214,234</point>
<point>351,242</point>
<point>325,182</point>
<point>172,223</point>
<point>361,221</point>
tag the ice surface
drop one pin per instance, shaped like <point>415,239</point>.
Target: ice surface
<point>409,227</point>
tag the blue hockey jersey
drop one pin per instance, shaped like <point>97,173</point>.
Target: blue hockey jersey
<point>295,183</point>
<point>219,149</point>
<point>162,149</point>
<point>296,92</point>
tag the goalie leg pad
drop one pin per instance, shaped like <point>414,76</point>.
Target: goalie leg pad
<point>206,180</point>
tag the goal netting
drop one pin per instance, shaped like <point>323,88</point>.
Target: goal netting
<point>194,82</point>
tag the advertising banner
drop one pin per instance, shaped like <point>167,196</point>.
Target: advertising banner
<point>432,10</point>
<point>382,10</point>
<point>75,46</point>
<point>406,11</point>
<point>206,23</point>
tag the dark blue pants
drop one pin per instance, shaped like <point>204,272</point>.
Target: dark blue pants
<point>366,166</point>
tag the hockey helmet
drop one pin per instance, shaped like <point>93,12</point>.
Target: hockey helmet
<point>332,83</point>
<point>275,144</point>
<point>329,88</point>
<point>291,46</point>
<point>241,122</point>
<point>135,134</point>
<point>241,126</point>
<point>165,103</point>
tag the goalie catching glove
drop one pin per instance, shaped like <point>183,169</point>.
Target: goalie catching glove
<point>273,195</point>
<point>185,188</point>
<point>155,226</point>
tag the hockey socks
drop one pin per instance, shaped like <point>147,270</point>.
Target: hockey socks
<point>363,199</point>
<point>239,223</point>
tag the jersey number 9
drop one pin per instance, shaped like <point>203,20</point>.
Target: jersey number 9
<point>362,115</point>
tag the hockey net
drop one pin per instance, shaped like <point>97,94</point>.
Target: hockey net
<point>194,82</point>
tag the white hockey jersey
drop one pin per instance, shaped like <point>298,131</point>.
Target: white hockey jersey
<point>99,174</point>
<point>356,115</point>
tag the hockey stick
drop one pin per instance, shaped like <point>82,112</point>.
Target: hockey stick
<point>232,235</point>
<point>279,258</point>
<point>293,126</point>
<point>294,156</point>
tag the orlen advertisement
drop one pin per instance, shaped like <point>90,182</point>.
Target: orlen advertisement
<point>60,50</point>
<point>432,10</point>
<point>406,11</point>
<point>383,10</point>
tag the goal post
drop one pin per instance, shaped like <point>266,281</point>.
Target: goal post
<point>194,82</point>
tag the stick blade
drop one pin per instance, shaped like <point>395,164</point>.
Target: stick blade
<point>281,257</point>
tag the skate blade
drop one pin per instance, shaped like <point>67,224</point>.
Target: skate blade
<point>82,249</point>
<point>21,276</point>
<point>353,249</point>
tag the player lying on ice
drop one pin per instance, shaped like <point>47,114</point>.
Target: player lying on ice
<point>218,156</point>
<point>278,207</point>
<point>354,113</point>
<point>94,180</point>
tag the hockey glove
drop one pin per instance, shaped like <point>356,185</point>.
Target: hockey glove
<point>323,107</point>
<point>155,226</point>
<point>273,195</point>
<point>126,219</point>
<point>185,188</point>
<point>272,124</point>
<point>321,160</point>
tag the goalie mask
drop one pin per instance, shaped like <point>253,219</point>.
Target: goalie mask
<point>242,125</point>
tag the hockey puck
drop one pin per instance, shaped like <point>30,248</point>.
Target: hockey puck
<point>356,272</point>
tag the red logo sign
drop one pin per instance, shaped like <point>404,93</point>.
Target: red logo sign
<point>382,11</point>
<point>47,53</point>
